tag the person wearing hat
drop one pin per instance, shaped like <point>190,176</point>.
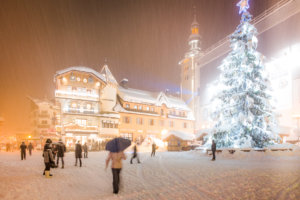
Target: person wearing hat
<point>48,158</point>
<point>61,149</point>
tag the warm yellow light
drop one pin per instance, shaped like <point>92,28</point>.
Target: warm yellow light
<point>78,79</point>
<point>29,136</point>
<point>164,131</point>
<point>88,106</point>
<point>195,31</point>
<point>64,80</point>
<point>98,84</point>
<point>85,80</point>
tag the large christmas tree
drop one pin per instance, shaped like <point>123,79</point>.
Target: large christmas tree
<point>243,112</point>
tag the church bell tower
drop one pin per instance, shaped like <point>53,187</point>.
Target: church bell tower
<point>189,79</point>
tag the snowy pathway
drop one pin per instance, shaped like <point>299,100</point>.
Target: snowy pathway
<point>169,175</point>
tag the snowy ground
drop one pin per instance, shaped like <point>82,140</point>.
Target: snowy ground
<point>169,175</point>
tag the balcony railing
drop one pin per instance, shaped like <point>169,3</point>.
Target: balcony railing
<point>44,116</point>
<point>43,126</point>
<point>76,95</point>
<point>141,111</point>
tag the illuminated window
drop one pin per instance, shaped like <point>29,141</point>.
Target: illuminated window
<point>72,78</point>
<point>80,122</point>
<point>147,108</point>
<point>127,105</point>
<point>135,106</point>
<point>139,120</point>
<point>126,119</point>
<point>195,31</point>
<point>161,122</point>
<point>98,84</point>
<point>126,136</point>
<point>91,80</point>
<point>184,125</point>
<point>151,122</point>
<point>64,80</point>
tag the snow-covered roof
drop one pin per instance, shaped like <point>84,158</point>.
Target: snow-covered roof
<point>137,96</point>
<point>108,75</point>
<point>146,97</point>
<point>81,69</point>
<point>39,101</point>
<point>179,134</point>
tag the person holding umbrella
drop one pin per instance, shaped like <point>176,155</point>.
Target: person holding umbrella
<point>116,155</point>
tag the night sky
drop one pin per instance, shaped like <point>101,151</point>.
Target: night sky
<point>142,40</point>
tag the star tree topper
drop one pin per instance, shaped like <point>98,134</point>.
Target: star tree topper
<point>244,6</point>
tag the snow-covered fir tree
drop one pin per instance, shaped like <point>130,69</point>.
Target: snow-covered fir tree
<point>243,112</point>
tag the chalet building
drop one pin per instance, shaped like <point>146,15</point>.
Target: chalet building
<point>92,107</point>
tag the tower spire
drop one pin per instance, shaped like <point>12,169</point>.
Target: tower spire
<point>195,38</point>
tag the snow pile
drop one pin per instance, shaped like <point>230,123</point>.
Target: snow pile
<point>181,135</point>
<point>169,175</point>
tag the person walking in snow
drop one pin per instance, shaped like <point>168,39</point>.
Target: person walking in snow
<point>61,149</point>
<point>48,158</point>
<point>7,147</point>
<point>78,153</point>
<point>85,150</point>
<point>135,155</point>
<point>153,149</point>
<point>23,148</point>
<point>213,149</point>
<point>116,167</point>
<point>30,148</point>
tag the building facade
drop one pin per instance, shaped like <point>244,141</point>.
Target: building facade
<point>42,120</point>
<point>92,106</point>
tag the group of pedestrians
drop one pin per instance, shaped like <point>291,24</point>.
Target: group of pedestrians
<point>58,150</point>
<point>115,157</point>
<point>23,148</point>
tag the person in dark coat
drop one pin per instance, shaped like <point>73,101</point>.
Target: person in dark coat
<point>30,148</point>
<point>153,149</point>
<point>135,155</point>
<point>213,149</point>
<point>7,147</point>
<point>61,149</point>
<point>48,158</point>
<point>23,148</point>
<point>85,149</point>
<point>54,150</point>
<point>78,153</point>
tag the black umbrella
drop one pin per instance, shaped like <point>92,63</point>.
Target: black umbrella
<point>117,144</point>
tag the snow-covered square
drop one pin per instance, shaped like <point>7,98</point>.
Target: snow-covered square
<point>168,175</point>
